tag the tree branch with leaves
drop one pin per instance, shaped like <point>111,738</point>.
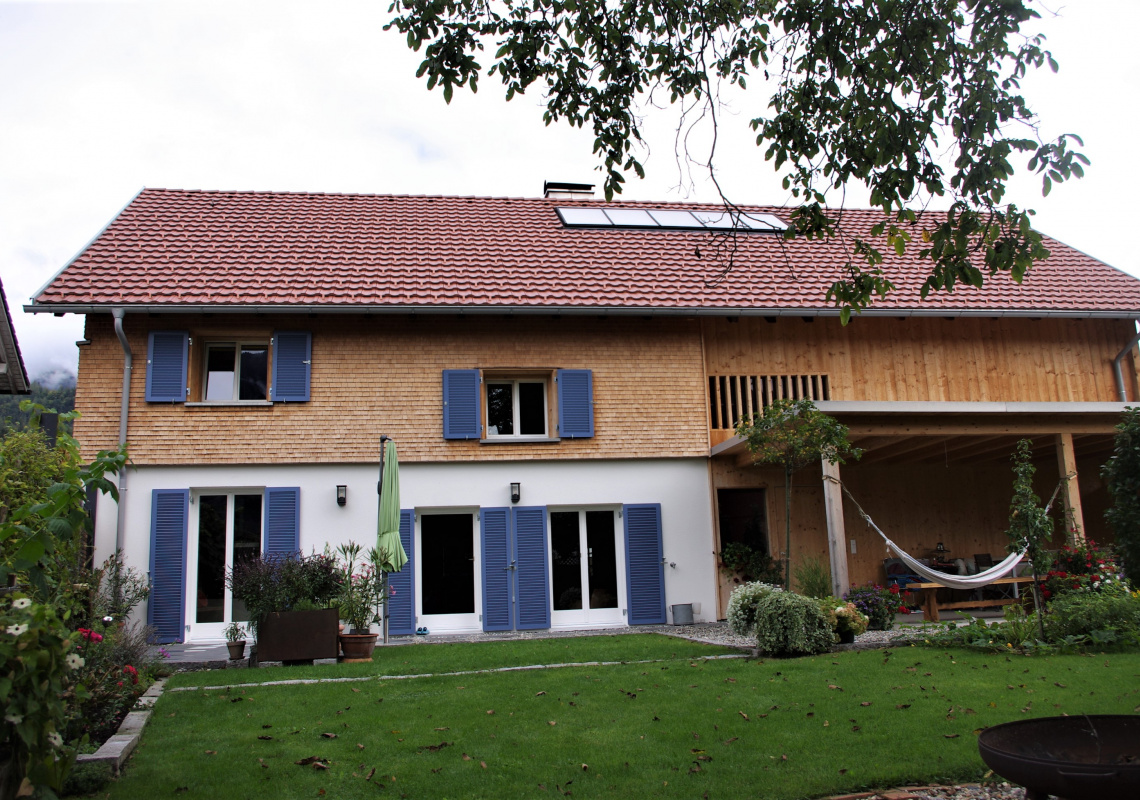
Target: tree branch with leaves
<point>917,100</point>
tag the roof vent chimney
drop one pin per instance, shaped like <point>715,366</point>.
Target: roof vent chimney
<point>567,191</point>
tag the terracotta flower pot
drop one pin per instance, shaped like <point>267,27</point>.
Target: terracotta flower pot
<point>358,646</point>
<point>237,649</point>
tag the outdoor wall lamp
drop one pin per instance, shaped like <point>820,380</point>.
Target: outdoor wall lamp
<point>341,495</point>
<point>516,492</point>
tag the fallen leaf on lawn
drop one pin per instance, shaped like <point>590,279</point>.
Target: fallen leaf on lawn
<point>552,722</point>
<point>355,690</point>
<point>741,713</point>
<point>263,727</point>
<point>483,764</point>
<point>854,728</point>
<point>655,719</point>
<point>261,761</point>
<point>320,765</point>
<point>435,748</point>
<point>466,757</point>
<point>978,731</point>
<point>211,752</point>
<point>328,735</point>
<point>730,741</point>
<point>320,793</point>
<point>585,767</point>
<point>784,757</point>
<point>696,750</point>
<point>826,723</point>
<point>865,703</point>
<point>730,680</point>
<point>265,738</point>
<point>903,706</point>
<point>236,699</point>
<point>359,746</point>
<point>695,768</point>
<point>304,762</point>
<point>811,713</point>
<point>437,770</point>
<point>444,728</point>
<point>843,772</point>
<point>1060,685</point>
<point>181,789</point>
<point>539,694</point>
<point>490,711</point>
<point>704,758</point>
<point>949,736</point>
<point>542,786</point>
<point>172,713</point>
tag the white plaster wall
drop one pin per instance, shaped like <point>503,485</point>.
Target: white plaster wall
<point>679,485</point>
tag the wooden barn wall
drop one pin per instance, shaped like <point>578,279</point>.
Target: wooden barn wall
<point>383,374</point>
<point>929,358</point>
<point>964,506</point>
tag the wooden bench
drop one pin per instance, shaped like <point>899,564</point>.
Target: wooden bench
<point>931,606</point>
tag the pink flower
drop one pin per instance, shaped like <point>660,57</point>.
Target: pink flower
<point>134,673</point>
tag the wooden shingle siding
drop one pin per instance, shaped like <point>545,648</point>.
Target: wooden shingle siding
<point>384,374</point>
<point>930,358</point>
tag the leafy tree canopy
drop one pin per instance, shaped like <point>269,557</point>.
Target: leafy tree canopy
<point>916,99</point>
<point>1122,472</point>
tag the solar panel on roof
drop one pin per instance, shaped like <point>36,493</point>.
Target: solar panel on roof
<point>671,218</point>
<point>575,217</point>
<point>676,219</point>
<point>631,218</point>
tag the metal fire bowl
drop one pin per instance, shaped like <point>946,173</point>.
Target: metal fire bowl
<point>1088,757</point>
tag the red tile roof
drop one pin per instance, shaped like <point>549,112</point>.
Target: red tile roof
<point>194,248</point>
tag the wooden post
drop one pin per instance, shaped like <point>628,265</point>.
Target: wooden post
<point>1070,492</point>
<point>836,534</point>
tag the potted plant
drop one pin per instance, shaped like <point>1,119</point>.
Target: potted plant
<point>289,599</point>
<point>235,640</point>
<point>849,623</point>
<point>360,598</point>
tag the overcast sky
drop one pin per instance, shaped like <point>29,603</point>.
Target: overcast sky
<point>98,100</point>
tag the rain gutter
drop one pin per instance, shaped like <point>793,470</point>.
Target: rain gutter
<point>124,408</point>
<point>1116,367</point>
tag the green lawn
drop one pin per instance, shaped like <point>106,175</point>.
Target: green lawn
<point>676,728</point>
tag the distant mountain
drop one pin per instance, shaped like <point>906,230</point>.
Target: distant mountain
<point>58,378</point>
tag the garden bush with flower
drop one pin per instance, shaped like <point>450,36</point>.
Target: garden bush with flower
<point>1082,568</point>
<point>878,604</point>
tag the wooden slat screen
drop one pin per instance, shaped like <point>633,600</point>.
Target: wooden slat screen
<point>732,397</point>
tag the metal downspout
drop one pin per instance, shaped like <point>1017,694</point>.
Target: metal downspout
<point>1119,371</point>
<point>124,406</point>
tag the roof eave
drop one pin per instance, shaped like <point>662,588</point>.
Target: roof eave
<point>711,311</point>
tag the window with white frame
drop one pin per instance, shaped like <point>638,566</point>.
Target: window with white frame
<point>516,408</point>
<point>236,371</point>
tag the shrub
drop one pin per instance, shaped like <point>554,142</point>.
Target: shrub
<point>87,778</point>
<point>1122,474</point>
<point>742,606</point>
<point>116,670</point>
<point>813,578</point>
<point>879,605</point>
<point>38,663</point>
<point>1088,613</point>
<point>1084,568</point>
<point>750,563</point>
<point>789,624</point>
<point>283,583</point>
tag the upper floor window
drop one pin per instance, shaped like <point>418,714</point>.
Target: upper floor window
<point>236,371</point>
<point>518,405</point>
<point>516,408</point>
<point>202,369</point>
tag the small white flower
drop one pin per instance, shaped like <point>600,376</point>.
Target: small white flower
<point>17,630</point>
<point>107,620</point>
<point>15,719</point>
<point>22,602</point>
<point>74,661</point>
<point>55,739</point>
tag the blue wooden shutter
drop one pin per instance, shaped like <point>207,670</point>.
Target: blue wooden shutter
<point>645,574</point>
<point>575,403</point>
<point>497,574</point>
<point>292,365</point>
<point>166,611</point>
<point>461,404</point>
<point>533,590</point>
<point>402,604</point>
<point>166,357</point>
<point>282,521</point>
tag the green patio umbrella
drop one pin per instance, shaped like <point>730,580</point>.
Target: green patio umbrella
<point>388,519</point>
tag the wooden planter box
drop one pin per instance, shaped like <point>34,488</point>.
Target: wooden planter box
<point>298,635</point>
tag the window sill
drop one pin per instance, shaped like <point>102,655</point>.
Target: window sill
<point>519,440</point>
<point>231,404</point>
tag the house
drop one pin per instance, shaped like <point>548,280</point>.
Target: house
<point>561,376</point>
<point>13,375</point>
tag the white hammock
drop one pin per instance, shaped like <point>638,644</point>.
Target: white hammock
<point>953,581</point>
